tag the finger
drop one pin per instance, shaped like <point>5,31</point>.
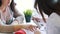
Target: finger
<point>37,27</point>
<point>31,30</point>
<point>27,28</point>
<point>34,26</point>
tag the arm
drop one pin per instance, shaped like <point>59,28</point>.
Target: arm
<point>11,28</point>
<point>18,17</point>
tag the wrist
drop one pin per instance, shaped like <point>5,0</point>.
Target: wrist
<point>18,27</point>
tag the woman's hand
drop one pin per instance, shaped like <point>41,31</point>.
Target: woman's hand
<point>31,27</point>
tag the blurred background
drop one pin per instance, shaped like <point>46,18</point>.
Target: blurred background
<point>22,5</point>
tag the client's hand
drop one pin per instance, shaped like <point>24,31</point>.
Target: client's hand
<point>31,27</point>
<point>36,19</point>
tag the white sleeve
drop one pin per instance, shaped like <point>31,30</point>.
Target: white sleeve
<point>20,19</point>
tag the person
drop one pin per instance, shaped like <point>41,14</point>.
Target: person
<point>52,9</point>
<point>7,11</point>
<point>37,3</point>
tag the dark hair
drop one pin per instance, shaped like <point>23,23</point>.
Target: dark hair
<point>49,6</point>
<point>0,2</point>
<point>12,6</point>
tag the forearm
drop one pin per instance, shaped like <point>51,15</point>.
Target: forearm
<point>6,28</point>
<point>11,28</point>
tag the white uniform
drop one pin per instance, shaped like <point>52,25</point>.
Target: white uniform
<point>53,24</point>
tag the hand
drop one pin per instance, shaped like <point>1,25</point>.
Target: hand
<point>31,27</point>
<point>36,19</point>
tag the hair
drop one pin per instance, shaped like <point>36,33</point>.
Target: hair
<point>49,6</point>
<point>12,5</point>
<point>0,2</point>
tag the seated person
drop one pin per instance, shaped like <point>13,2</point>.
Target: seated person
<point>7,11</point>
<point>52,9</point>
